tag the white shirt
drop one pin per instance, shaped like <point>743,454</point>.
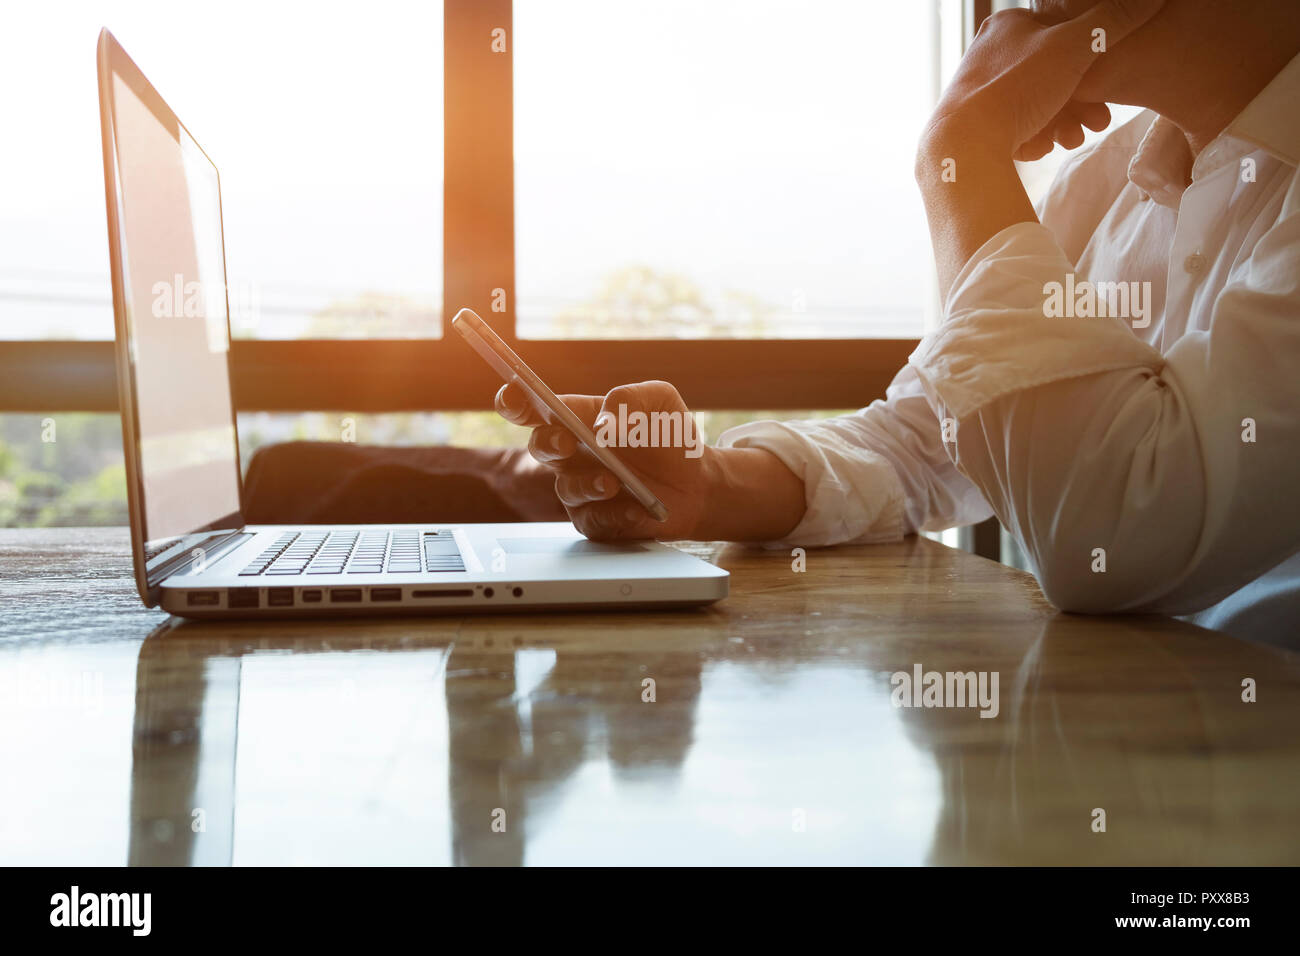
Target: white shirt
<point>1094,441</point>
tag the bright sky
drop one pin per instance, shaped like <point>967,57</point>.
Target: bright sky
<point>765,147</point>
<point>325,121</point>
<point>762,147</point>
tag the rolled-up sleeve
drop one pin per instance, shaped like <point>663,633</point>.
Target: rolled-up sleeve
<point>874,475</point>
<point>1136,481</point>
<point>997,337</point>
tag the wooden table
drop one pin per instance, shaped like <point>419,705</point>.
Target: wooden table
<point>772,737</point>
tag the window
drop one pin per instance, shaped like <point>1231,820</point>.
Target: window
<point>340,131</point>
<point>326,125</point>
<point>721,169</point>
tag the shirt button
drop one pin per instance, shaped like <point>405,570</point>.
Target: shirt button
<point>1194,264</point>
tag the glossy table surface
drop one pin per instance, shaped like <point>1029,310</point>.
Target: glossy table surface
<point>772,735</point>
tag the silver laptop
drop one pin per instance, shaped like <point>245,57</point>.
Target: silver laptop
<point>193,554</point>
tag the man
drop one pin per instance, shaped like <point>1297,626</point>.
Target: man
<point>1117,374</point>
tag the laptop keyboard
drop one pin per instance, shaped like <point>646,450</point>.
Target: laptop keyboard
<point>358,552</point>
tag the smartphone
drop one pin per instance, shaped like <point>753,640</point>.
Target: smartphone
<point>511,367</point>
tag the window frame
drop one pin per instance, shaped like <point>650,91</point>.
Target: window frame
<point>400,375</point>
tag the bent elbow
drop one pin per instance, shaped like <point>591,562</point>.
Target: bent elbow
<point>1080,582</point>
<point>1081,597</point>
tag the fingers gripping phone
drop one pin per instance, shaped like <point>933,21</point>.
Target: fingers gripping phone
<point>511,367</point>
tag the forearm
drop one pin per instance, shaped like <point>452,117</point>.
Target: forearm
<point>751,496</point>
<point>981,197</point>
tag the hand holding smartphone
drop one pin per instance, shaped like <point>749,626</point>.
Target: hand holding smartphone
<point>513,370</point>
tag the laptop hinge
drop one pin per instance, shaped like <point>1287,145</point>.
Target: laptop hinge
<point>204,552</point>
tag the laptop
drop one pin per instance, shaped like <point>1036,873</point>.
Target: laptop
<point>193,554</point>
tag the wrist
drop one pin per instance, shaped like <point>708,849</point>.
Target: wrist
<point>750,495</point>
<point>952,144</point>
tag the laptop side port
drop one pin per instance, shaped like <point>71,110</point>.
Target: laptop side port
<point>243,597</point>
<point>202,598</point>
<point>311,596</point>
<point>345,595</point>
<point>447,593</point>
<point>385,594</point>
<point>281,597</point>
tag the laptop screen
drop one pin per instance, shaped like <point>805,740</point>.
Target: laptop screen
<point>173,282</point>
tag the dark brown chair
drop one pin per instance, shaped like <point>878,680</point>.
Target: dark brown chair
<point>343,483</point>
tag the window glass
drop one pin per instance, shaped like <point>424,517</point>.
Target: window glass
<point>326,126</point>
<point>707,168</point>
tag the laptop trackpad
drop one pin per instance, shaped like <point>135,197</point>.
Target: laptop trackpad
<point>568,546</point>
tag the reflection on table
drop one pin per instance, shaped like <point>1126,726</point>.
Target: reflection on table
<point>510,741</point>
